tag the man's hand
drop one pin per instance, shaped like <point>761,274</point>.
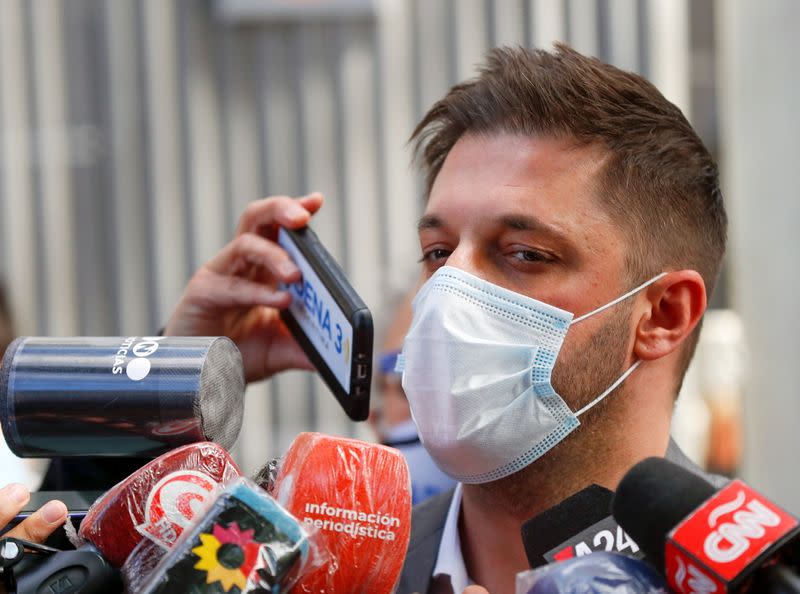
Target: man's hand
<point>476,590</point>
<point>236,293</point>
<point>36,527</point>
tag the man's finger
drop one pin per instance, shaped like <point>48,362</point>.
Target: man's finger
<point>279,210</point>
<point>219,291</point>
<point>313,202</point>
<point>42,523</point>
<point>13,498</point>
<point>253,250</point>
<point>476,590</point>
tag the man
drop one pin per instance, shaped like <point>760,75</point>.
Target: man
<point>568,181</point>
<point>558,186</point>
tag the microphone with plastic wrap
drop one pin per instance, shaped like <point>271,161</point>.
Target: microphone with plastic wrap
<point>581,524</point>
<point>146,512</point>
<point>134,396</point>
<point>599,573</point>
<point>243,541</point>
<point>357,495</point>
<point>704,540</point>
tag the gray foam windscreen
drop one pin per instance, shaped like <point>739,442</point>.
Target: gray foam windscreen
<point>220,402</point>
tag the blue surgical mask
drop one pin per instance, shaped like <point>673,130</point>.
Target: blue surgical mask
<point>477,365</point>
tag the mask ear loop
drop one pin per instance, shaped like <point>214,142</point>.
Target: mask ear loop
<point>622,298</point>
<point>633,367</point>
<point>610,389</point>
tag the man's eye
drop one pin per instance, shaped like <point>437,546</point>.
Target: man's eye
<point>531,256</point>
<point>435,255</point>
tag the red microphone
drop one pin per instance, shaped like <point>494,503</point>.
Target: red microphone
<point>357,495</point>
<point>731,540</point>
<point>158,501</point>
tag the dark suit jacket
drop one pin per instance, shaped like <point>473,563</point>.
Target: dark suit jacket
<point>427,525</point>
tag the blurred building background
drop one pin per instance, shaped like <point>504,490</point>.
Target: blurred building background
<point>134,132</point>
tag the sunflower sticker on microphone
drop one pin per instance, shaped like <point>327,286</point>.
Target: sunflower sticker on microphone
<point>227,555</point>
<point>245,542</point>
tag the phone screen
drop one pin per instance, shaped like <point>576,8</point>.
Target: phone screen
<point>321,319</point>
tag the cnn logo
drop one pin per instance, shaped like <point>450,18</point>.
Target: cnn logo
<point>732,538</point>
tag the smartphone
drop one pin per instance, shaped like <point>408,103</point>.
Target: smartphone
<point>330,321</point>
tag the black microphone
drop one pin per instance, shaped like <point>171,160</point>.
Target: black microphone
<point>83,571</point>
<point>579,525</point>
<point>134,396</point>
<point>731,540</point>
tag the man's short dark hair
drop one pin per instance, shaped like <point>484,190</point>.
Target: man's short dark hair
<point>659,181</point>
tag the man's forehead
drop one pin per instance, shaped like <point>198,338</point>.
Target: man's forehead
<point>518,182</point>
<point>519,156</point>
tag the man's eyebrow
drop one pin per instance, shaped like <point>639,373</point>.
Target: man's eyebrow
<point>519,222</point>
<point>429,222</point>
<point>516,222</point>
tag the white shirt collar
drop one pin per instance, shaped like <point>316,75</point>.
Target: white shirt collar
<point>450,561</point>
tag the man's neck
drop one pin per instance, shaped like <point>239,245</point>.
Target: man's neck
<point>492,514</point>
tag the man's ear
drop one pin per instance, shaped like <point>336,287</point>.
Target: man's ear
<point>669,310</point>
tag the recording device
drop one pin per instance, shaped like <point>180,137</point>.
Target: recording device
<point>599,573</point>
<point>133,396</point>
<point>731,540</point>
<point>581,524</point>
<point>77,502</point>
<point>353,499</point>
<point>357,495</point>
<point>84,571</point>
<point>245,540</point>
<point>329,321</point>
<point>153,505</point>
<point>158,501</point>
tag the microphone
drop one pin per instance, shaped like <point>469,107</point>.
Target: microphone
<point>245,540</point>
<point>581,524</point>
<point>157,502</point>
<point>134,396</point>
<point>731,540</point>
<point>84,570</point>
<point>358,496</point>
<point>599,573</point>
